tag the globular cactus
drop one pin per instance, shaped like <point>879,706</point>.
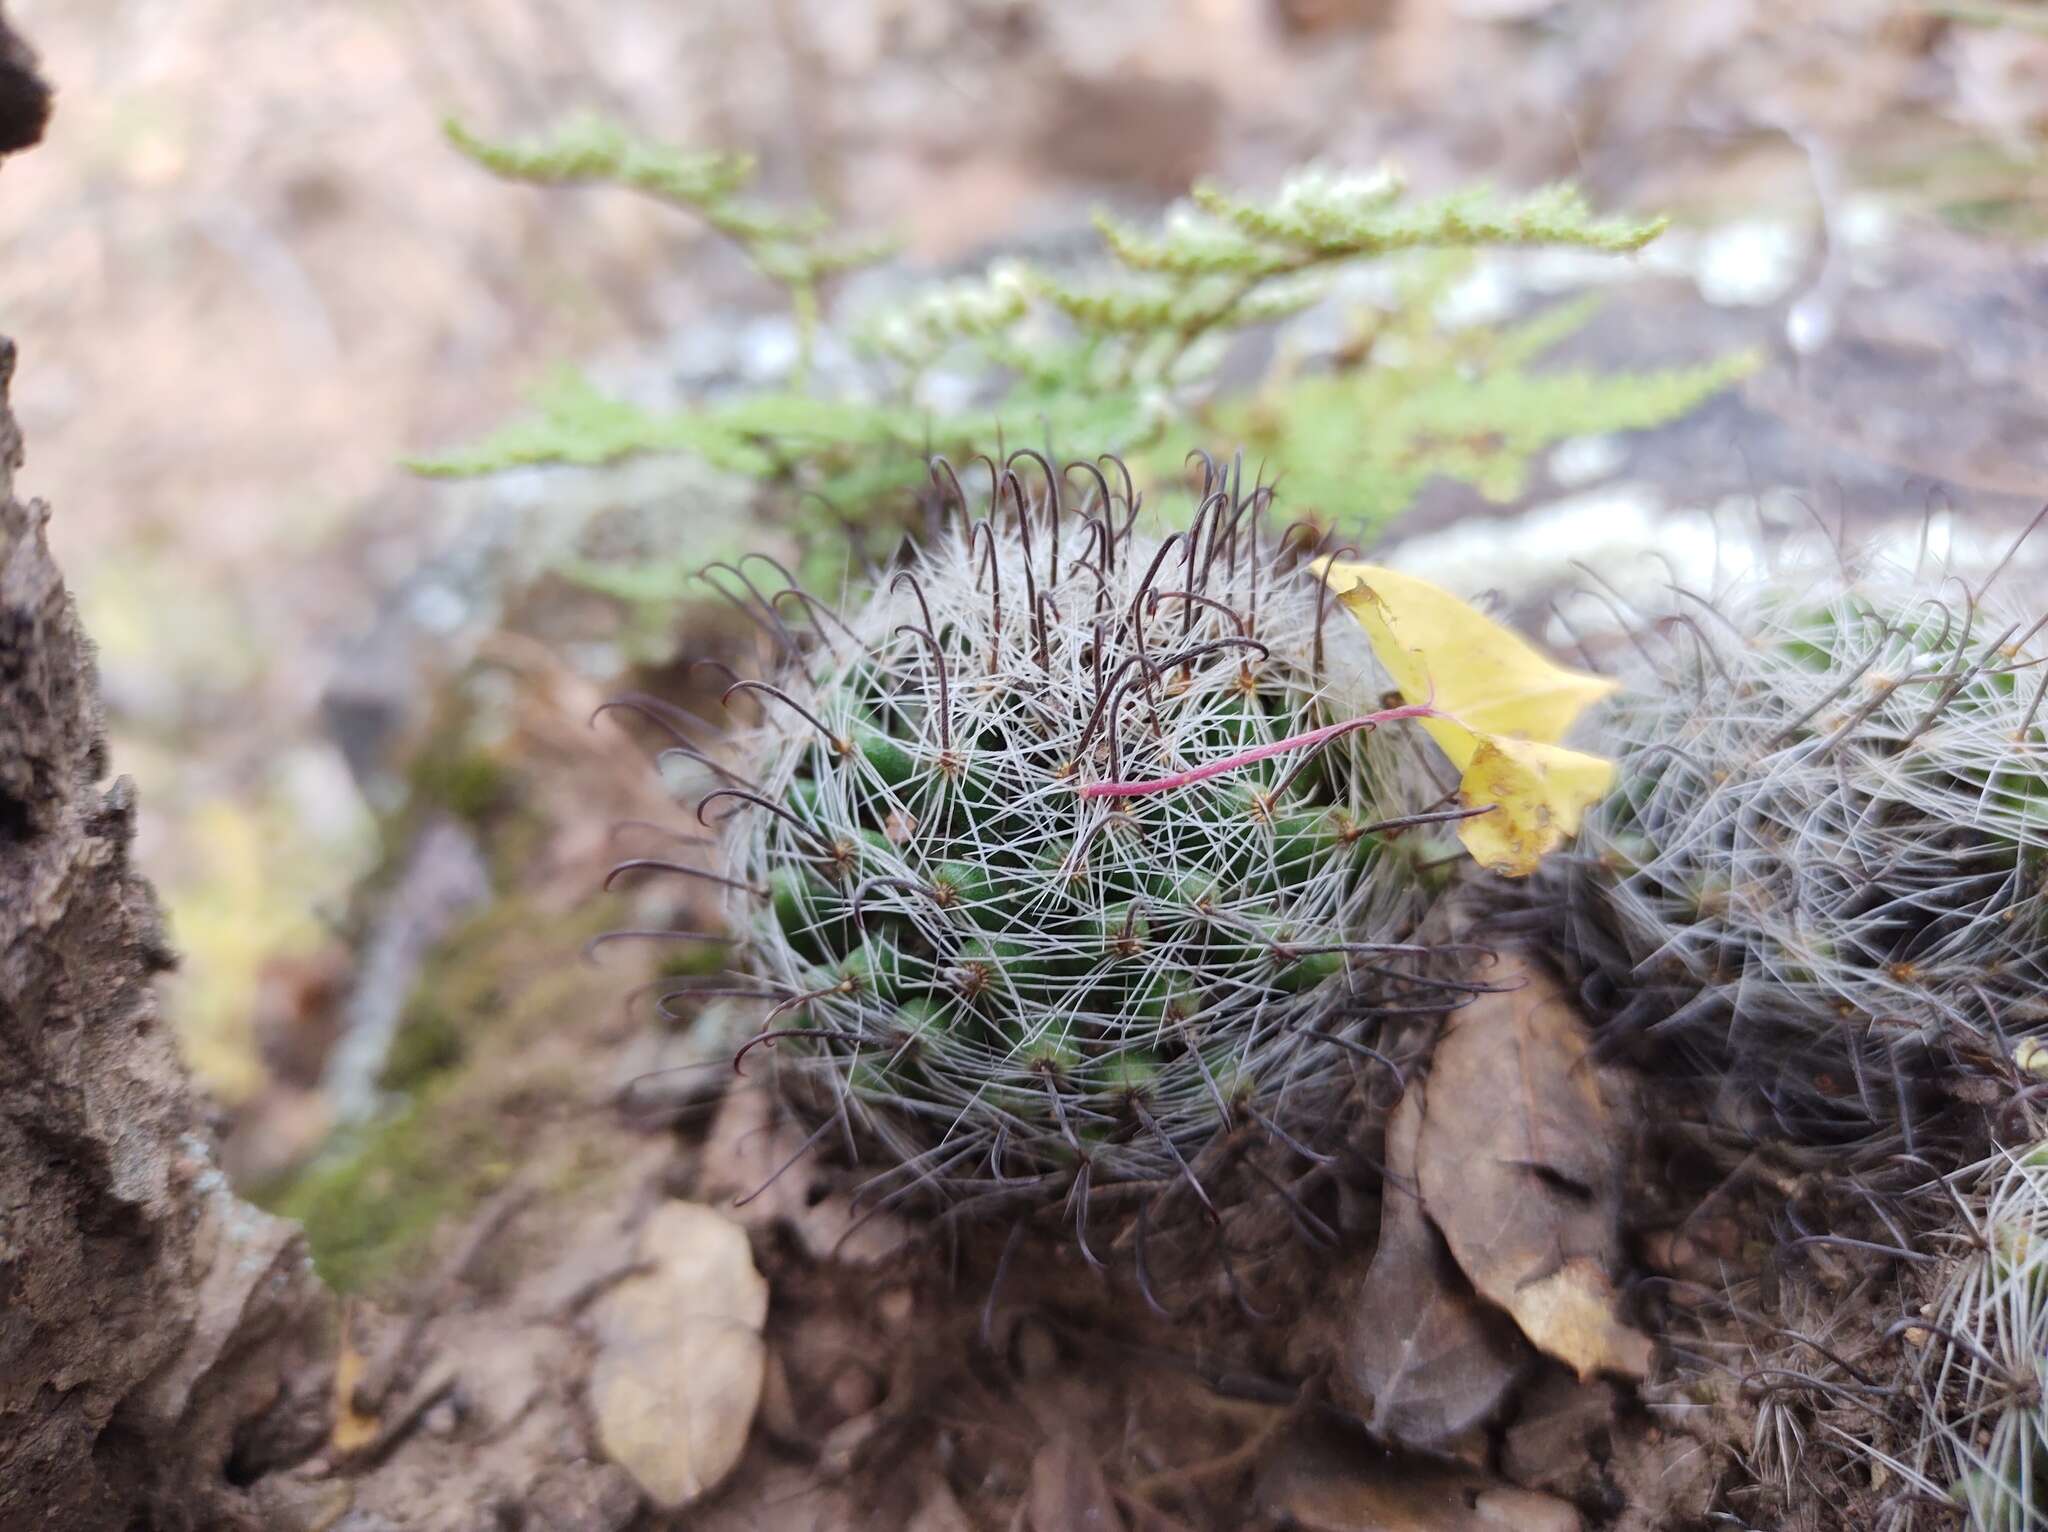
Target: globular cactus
<point>1821,869</point>
<point>1982,1436</point>
<point>998,992</point>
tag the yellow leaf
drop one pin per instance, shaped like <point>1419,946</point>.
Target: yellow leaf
<point>1538,793</point>
<point>1507,706</point>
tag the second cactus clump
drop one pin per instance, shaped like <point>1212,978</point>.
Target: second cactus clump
<point>1983,1435</point>
<point>1822,869</point>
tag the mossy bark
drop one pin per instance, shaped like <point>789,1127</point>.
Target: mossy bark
<point>159,1338</point>
<point>168,1355</point>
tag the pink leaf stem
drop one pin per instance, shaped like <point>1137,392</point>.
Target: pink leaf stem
<point>1307,741</point>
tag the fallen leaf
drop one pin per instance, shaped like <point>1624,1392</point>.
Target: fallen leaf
<point>1539,794</point>
<point>1423,1356</point>
<point>1495,680</point>
<point>1508,706</point>
<point>1520,1166</point>
<point>1320,1485</point>
<point>680,1357</point>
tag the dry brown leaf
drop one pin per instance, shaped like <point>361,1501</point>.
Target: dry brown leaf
<point>1424,1356</point>
<point>1320,1485</point>
<point>1520,1166</point>
<point>680,1357</point>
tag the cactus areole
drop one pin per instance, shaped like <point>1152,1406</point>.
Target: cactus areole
<point>997,992</point>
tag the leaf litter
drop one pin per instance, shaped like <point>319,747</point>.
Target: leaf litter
<point>1520,1162</point>
<point>1424,1357</point>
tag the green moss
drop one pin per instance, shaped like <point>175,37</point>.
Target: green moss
<point>694,960</point>
<point>495,986</point>
<point>371,1204</point>
<point>470,784</point>
<point>466,1053</point>
<point>429,1043</point>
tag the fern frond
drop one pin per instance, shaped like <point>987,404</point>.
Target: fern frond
<point>1320,219</point>
<point>590,150</point>
<point>797,249</point>
<point>573,423</point>
<point>1357,446</point>
<point>1123,358</point>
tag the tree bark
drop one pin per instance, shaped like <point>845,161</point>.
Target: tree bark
<point>24,95</point>
<point>162,1343</point>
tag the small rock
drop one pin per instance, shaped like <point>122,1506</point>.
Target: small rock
<point>1068,1492</point>
<point>839,1450</point>
<point>894,1307</point>
<point>1517,1510</point>
<point>680,1356</point>
<point>582,1497</point>
<point>854,1390</point>
<point>1323,1483</point>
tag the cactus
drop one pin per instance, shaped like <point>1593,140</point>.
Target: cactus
<point>1982,1424</point>
<point>1000,992</point>
<point>1821,870</point>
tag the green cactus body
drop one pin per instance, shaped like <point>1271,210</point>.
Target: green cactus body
<point>1003,983</point>
<point>1816,866</point>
